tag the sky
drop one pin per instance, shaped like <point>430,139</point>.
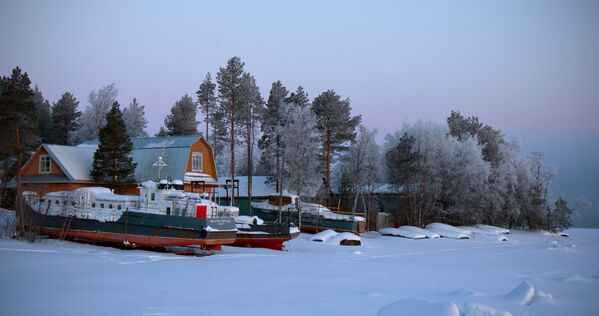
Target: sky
<point>529,68</point>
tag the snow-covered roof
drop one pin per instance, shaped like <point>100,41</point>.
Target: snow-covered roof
<point>75,162</point>
<point>154,142</point>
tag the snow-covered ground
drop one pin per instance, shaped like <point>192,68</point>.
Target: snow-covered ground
<point>529,274</point>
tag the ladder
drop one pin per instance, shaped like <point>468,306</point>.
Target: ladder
<point>66,224</point>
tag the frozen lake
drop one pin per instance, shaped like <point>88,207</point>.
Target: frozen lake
<point>550,275</point>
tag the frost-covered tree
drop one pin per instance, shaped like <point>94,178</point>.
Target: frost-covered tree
<point>112,164</point>
<point>207,100</point>
<point>65,118</point>
<point>270,143</point>
<point>300,151</point>
<point>135,119</point>
<point>362,165</point>
<point>94,115</point>
<point>336,126</point>
<point>230,106</point>
<point>540,177</point>
<point>182,119</point>
<point>44,116</point>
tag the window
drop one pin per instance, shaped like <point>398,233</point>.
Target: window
<point>110,206</point>
<point>168,211</point>
<point>45,164</point>
<point>118,207</point>
<point>94,204</point>
<point>72,203</point>
<point>196,161</point>
<point>153,196</point>
<point>56,202</point>
<point>101,205</point>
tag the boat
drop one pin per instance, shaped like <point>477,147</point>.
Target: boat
<point>162,215</point>
<point>253,232</point>
<point>309,217</point>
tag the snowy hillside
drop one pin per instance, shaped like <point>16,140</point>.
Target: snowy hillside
<point>529,274</point>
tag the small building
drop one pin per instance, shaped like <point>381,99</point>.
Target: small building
<point>186,158</point>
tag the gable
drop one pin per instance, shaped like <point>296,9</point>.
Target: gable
<point>208,165</point>
<point>31,167</point>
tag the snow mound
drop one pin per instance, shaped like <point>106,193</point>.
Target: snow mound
<point>345,239</point>
<point>427,233</point>
<point>389,231</point>
<point>476,309</point>
<point>420,308</point>
<point>324,235</point>
<point>330,236</point>
<point>493,229</point>
<point>449,231</point>
<point>524,294</point>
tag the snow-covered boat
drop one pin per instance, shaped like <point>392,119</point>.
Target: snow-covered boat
<point>448,231</point>
<point>253,232</point>
<point>309,217</point>
<point>161,216</point>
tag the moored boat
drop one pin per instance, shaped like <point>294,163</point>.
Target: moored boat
<point>309,217</point>
<point>161,216</point>
<point>253,232</point>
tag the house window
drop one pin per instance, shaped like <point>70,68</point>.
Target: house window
<point>196,161</point>
<point>45,164</point>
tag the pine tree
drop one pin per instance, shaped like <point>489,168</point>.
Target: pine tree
<point>94,116</point>
<point>182,119</point>
<point>562,214</point>
<point>230,106</point>
<point>299,97</point>
<point>65,118</point>
<point>135,120</point>
<point>252,103</point>
<point>271,119</point>
<point>17,110</point>
<point>44,116</point>
<point>207,100</point>
<point>112,164</point>
<point>335,124</point>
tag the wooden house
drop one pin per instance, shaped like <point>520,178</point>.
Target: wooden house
<point>186,158</point>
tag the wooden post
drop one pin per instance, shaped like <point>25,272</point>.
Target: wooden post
<point>18,207</point>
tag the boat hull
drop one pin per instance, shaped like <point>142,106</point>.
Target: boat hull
<point>139,229</point>
<point>272,240</point>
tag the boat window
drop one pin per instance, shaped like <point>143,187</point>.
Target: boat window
<point>73,203</point>
<point>56,202</point>
<point>101,205</point>
<point>94,204</point>
<point>153,196</point>
<point>118,207</point>
<point>43,200</point>
<point>64,202</point>
<point>109,205</point>
<point>168,210</point>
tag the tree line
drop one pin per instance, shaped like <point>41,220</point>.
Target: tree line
<point>462,172</point>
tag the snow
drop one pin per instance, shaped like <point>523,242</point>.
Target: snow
<point>324,235</point>
<point>244,219</point>
<point>331,237</point>
<point>419,307</point>
<point>550,274</point>
<point>76,162</point>
<point>449,231</point>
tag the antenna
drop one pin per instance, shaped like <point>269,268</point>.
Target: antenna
<point>160,163</point>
